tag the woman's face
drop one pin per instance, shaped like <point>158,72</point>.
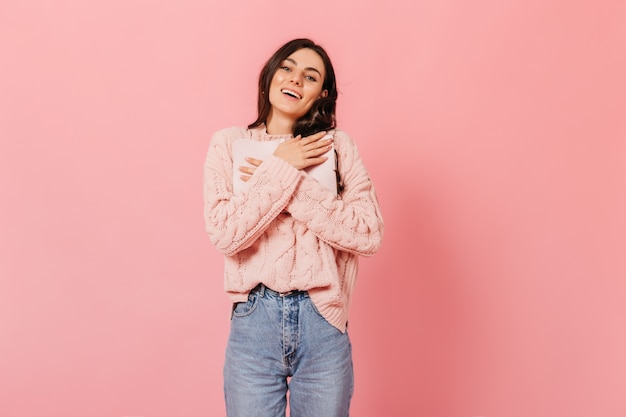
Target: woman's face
<point>296,85</point>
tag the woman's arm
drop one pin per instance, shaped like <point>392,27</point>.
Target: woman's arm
<point>235,221</point>
<point>352,222</point>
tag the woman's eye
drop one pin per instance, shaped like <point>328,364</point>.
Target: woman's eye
<point>311,78</point>
<point>285,68</point>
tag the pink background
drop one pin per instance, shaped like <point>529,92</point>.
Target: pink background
<point>493,130</point>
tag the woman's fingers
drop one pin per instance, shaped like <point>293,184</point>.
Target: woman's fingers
<point>299,152</point>
<point>313,138</point>
<point>315,161</point>
<point>253,162</point>
<point>249,170</point>
<point>316,141</point>
<point>312,153</point>
<point>319,146</point>
<point>304,152</point>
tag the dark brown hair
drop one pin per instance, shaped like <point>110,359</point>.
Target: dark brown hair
<point>321,116</point>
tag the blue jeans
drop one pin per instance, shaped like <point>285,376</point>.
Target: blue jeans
<point>281,343</point>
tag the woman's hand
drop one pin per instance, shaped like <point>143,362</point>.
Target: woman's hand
<point>299,152</point>
<point>304,152</point>
<point>248,171</point>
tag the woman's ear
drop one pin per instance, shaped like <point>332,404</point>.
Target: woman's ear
<point>324,93</point>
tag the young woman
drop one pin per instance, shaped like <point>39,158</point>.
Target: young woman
<point>291,245</point>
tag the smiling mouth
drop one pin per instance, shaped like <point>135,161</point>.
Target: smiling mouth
<point>291,93</point>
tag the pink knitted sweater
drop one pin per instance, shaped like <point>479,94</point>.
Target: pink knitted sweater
<point>286,230</point>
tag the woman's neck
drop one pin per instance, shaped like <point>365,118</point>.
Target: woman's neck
<point>279,125</point>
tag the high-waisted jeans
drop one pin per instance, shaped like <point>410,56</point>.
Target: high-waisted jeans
<point>281,343</point>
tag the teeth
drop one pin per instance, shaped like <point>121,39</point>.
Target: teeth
<point>291,93</point>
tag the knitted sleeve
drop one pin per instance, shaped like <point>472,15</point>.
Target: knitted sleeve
<point>352,222</point>
<point>235,221</point>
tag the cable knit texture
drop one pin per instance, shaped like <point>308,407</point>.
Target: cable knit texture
<point>286,230</point>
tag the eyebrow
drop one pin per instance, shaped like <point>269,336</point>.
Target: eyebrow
<point>293,61</point>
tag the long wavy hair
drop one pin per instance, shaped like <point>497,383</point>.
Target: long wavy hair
<point>321,116</point>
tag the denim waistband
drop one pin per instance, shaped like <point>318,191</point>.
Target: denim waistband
<point>262,289</point>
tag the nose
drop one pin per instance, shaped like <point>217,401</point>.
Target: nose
<point>296,78</point>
